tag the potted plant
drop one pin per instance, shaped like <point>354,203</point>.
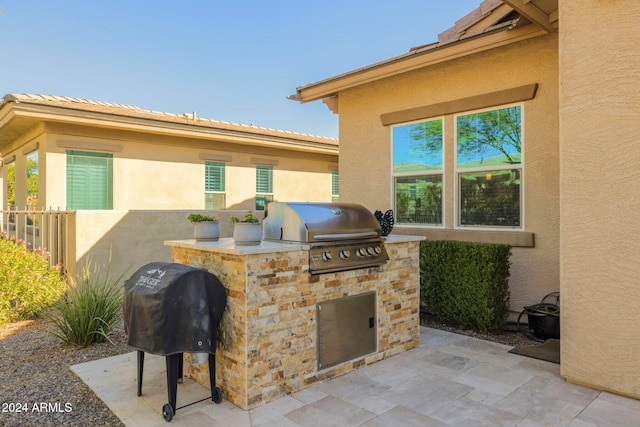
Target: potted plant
<point>544,320</point>
<point>206,228</point>
<point>247,231</point>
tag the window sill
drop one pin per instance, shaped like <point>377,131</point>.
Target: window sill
<point>518,239</point>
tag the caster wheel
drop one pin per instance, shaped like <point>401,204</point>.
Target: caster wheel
<point>216,396</point>
<point>168,412</point>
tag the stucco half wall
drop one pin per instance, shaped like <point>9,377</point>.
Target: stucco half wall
<point>365,149</point>
<point>600,152</point>
<point>125,240</point>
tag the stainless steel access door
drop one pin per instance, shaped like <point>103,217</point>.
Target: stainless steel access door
<point>347,329</point>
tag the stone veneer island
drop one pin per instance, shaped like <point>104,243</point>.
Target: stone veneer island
<point>267,339</point>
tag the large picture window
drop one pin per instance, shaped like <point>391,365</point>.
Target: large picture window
<point>214,186</point>
<point>417,172</point>
<point>485,168</point>
<point>89,180</point>
<point>489,167</point>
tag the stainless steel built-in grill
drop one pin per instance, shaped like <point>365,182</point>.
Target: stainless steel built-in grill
<point>343,236</point>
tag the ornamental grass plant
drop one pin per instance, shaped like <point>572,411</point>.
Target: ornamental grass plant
<point>28,285</point>
<point>91,307</point>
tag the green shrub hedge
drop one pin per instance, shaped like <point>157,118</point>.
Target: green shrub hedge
<point>27,284</point>
<point>466,283</point>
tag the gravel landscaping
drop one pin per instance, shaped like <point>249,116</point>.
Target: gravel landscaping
<point>39,388</point>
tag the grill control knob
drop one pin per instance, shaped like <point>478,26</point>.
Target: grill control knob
<point>377,250</point>
<point>360,252</point>
<point>344,254</point>
<point>370,251</point>
<point>326,256</point>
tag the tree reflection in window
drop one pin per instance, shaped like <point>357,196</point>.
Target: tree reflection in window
<point>489,138</point>
<point>490,198</point>
<point>489,156</point>
<point>417,169</point>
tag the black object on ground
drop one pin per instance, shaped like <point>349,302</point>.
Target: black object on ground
<point>544,318</point>
<point>548,351</point>
<point>170,309</point>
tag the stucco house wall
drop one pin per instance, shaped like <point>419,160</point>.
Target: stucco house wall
<point>156,172</point>
<point>535,270</point>
<point>159,172</point>
<point>600,152</point>
<point>581,154</point>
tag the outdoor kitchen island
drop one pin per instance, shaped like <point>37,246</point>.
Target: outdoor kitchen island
<point>268,340</point>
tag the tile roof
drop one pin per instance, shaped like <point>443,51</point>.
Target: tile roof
<point>133,111</point>
<point>463,26</point>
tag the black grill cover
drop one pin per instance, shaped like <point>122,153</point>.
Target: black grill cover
<point>173,308</point>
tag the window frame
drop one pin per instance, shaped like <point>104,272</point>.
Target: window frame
<point>10,186</point>
<point>110,171</point>
<point>266,195</point>
<point>450,171</point>
<point>435,172</point>
<point>457,172</point>
<point>223,192</point>
<point>335,186</point>
<point>30,196</point>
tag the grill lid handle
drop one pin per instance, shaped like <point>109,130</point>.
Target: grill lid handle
<point>340,236</point>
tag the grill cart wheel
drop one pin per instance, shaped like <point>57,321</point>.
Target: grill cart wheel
<point>168,412</point>
<point>216,395</point>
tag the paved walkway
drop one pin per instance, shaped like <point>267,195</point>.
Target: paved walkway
<point>450,380</point>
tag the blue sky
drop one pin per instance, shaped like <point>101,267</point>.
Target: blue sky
<point>226,60</point>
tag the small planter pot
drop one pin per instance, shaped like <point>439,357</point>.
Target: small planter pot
<point>206,231</point>
<point>544,320</point>
<point>247,233</point>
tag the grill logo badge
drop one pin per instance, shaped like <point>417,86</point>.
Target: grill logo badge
<point>149,281</point>
<point>157,270</point>
<point>336,211</point>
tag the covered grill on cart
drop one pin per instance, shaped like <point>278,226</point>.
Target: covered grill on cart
<point>170,309</point>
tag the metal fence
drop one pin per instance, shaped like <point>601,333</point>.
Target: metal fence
<point>52,231</point>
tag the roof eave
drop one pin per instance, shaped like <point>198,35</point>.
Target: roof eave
<point>58,114</point>
<point>531,11</point>
<point>414,60</point>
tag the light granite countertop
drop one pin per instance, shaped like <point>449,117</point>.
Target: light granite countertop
<point>228,245</point>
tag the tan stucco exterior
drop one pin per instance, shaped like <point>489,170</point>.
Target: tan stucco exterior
<point>581,154</point>
<point>154,171</point>
<point>600,154</point>
<point>158,170</point>
<point>535,270</point>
